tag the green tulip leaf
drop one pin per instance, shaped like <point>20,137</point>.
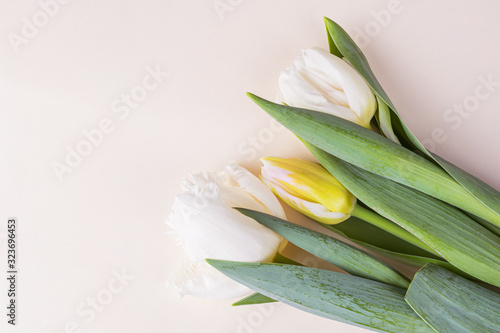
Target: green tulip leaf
<point>341,297</point>
<point>479,189</point>
<point>345,256</point>
<point>255,298</point>
<point>360,231</point>
<point>486,224</point>
<point>371,238</point>
<point>403,254</point>
<point>460,240</point>
<point>375,153</point>
<point>451,304</point>
<point>341,44</point>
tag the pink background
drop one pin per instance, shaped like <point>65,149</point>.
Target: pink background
<point>68,75</point>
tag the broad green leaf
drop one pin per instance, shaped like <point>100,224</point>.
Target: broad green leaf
<point>345,298</point>
<point>451,304</point>
<point>371,238</point>
<point>358,230</point>
<point>388,246</point>
<point>484,192</point>
<point>347,257</point>
<point>486,224</point>
<point>375,153</point>
<point>255,298</point>
<point>343,45</point>
<point>456,237</point>
<point>405,255</point>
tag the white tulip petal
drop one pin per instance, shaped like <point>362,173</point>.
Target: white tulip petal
<point>297,92</point>
<point>252,185</point>
<point>220,232</point>
<point>323,82</point>
<point>199,279</point>
<point>330,87</point>
<point>206,226</point>
<point>339,73</point>
<point>234,196</point>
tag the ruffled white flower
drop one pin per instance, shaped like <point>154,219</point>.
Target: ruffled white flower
<point>323,82</point>
<point>206,226</point>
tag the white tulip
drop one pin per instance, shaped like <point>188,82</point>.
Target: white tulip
<point>323,82</point>
<point>206,226</point>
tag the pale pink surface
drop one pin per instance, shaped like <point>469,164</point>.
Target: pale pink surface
<point>108,213</point>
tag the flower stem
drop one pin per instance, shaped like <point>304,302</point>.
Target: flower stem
<point>391,227</point>
<point>281,259</point>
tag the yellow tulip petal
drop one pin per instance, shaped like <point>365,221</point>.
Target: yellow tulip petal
<point>314,210</point>
<point>308,181</point>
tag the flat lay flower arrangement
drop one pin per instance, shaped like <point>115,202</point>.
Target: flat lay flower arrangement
<point>373,184</point>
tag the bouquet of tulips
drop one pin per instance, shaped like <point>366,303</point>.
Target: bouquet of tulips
<point>375,185</point>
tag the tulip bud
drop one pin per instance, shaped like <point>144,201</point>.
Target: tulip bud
<point>309,188</point>
<point>206,226</point>
<point>323,82</point>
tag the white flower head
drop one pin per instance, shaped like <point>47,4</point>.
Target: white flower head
<point>206,226</point>
<point>323,82</point>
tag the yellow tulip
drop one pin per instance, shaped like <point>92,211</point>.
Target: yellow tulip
<point>309,188</point>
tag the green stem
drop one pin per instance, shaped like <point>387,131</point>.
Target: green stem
<point>281,259</point>
<point>391,227</point>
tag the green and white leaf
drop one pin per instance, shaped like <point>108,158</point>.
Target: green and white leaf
<point>345,256</point>
<point>345,298</point>
<point>451,304</point>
